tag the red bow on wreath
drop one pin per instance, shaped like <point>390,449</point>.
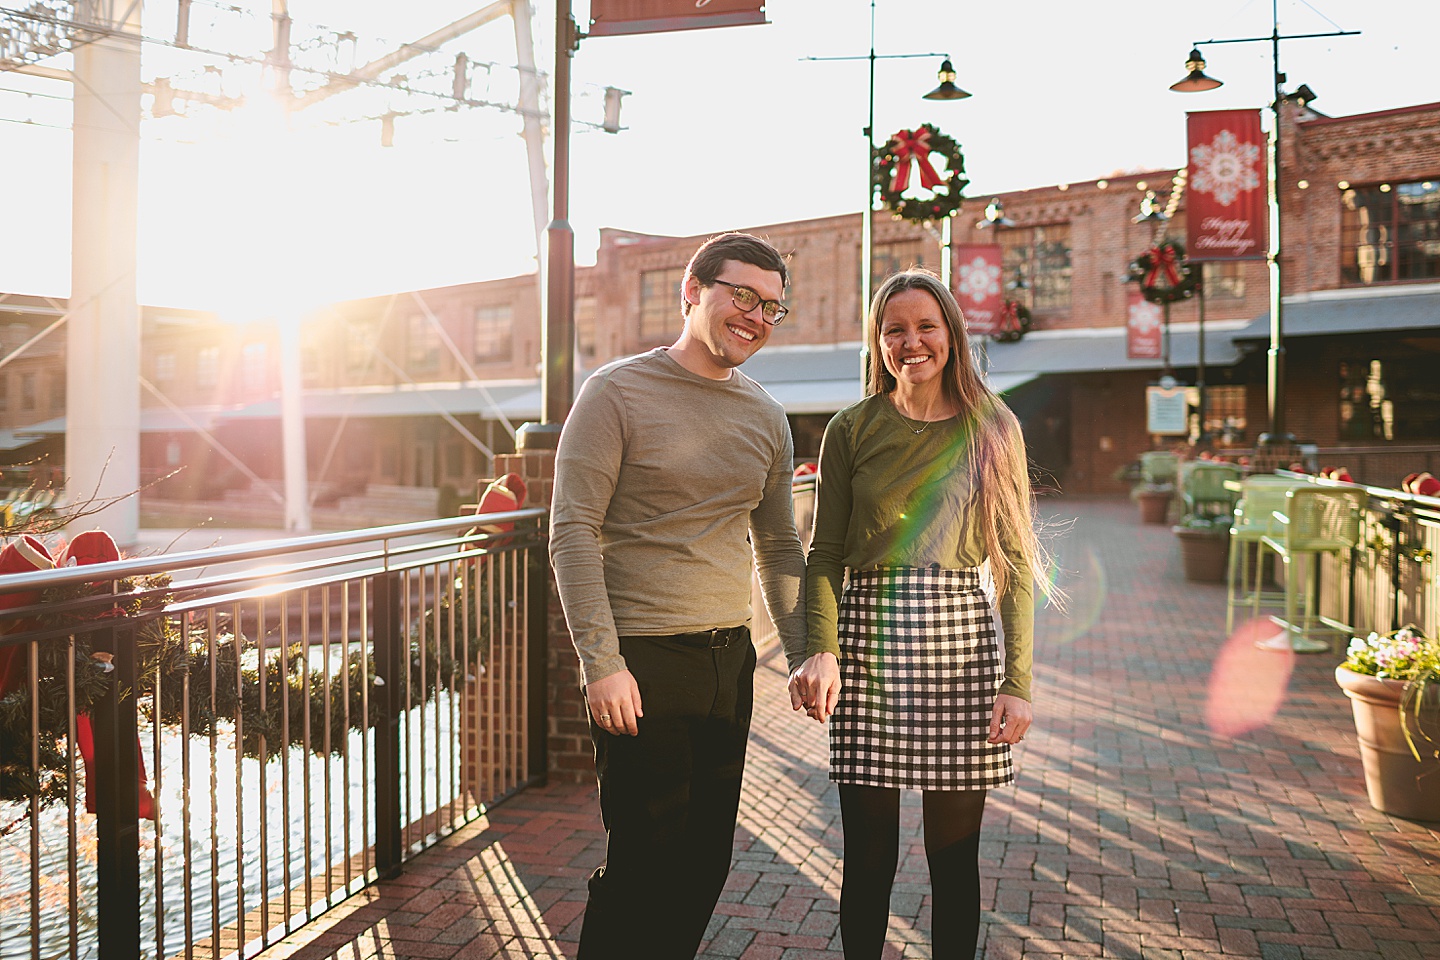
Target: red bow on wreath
<point>913,145</point>
<point>1162,258</point>
<point>1010,317</point>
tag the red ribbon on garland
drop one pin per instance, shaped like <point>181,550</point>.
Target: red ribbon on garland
<point>1010,317</point>
<point>913,145</point>
<point>1162,258</point>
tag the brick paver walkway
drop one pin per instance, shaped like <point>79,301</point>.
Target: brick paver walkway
<point>1136,829</point>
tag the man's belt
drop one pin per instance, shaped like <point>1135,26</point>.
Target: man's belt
<point>716,639</point>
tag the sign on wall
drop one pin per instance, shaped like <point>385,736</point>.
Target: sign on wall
<point>1143,324</point>
<point>1167,411</point>
<point>977,286</point>
<point>614,18</point>
<point>1225,202</point>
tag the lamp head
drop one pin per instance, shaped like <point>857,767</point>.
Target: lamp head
<point>947,89</point>
<point>1195,80</point>
<point>994,216</point>
<point>1150,210</point>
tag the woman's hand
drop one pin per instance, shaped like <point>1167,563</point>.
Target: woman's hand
<point>815,686</point>
<point>1009,720</point>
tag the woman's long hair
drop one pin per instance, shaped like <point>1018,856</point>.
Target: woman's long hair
<point>998,473</point>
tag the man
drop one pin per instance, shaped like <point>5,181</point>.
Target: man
<point>667,462</point>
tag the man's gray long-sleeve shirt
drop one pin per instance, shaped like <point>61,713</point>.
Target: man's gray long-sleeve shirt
<point>660,475</point>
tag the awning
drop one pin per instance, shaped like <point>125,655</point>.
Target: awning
<point>152,420</point>
<point>516,400</point>
<point>1368,310</point>
<point>1087,349</point>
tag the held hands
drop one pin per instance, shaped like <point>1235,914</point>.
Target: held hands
<point>615,703</point>
<point>815,686</point>
<point>1009,720</point>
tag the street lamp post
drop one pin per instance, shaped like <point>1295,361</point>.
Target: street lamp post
<point>1196,81</point>
<point>947,90</point>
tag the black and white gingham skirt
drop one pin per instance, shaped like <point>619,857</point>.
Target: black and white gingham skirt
<point>921,665</point>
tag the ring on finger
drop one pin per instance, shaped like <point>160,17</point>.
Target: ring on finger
<point>604,718</point>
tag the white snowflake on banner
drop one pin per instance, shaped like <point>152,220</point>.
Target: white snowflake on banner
<point>979,279</point>
<point>1144,316</point>
<point>1225,167</point>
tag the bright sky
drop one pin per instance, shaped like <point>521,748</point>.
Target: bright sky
<point>725,128</point>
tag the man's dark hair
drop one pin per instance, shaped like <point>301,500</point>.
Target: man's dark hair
<point>706,263</point>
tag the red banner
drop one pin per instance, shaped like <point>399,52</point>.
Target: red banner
<point>614,18</point>
<point>1225,203</point>
<point>977,286</point>
<point>1143,321</point>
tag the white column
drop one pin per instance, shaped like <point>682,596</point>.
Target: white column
<point>102,399</point>
<point>292,428</point>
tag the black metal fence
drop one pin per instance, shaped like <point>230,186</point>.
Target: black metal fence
<point>201,752</point>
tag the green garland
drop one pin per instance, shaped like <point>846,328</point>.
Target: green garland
<point>945,199</point>
<point>1155,285</point>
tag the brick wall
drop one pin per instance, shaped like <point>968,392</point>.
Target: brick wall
<point>571,756</point>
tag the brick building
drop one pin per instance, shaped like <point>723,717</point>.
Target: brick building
<point>423,388</point>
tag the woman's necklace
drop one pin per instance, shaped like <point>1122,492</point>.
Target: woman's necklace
<point>924,424</point>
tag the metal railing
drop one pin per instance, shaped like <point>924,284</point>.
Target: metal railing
<point>274,726</point>
<point>1390,578</point>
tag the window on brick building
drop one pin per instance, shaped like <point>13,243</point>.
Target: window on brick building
<point>4,393</point>
<point>359,345</point>
<point>1041,257</point>
<point>253,369</point>
<point>1224,280</point>
<point>891,257</point>
<point>1383,400</point>
<point>164,367</point>
<point>1225,413</point>
<point>57,391</point>
<point>660,317</point>
<point>494,324</point>
<point>1390,233</point>
<point>207,367</point>
<point>422,344</point>
<point>27,391</point>
<point>586,343</point>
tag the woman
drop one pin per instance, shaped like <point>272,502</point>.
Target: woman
<point>920,483</point>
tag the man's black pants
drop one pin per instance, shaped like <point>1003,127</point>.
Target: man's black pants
<point>669,797</point>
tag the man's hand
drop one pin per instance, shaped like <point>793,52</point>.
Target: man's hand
<point>815,686</point>
<point>615,703</point>
<point>1010,719</point>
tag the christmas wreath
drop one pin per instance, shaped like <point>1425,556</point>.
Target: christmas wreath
<point>1163,274</point>
<point>1014,322</point>
<point>913,148</point>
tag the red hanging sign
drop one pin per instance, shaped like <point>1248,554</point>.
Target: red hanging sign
<point>1142,328</point>
<point>1225,203</point>
<point>614,18</point>
<point>977,286</point>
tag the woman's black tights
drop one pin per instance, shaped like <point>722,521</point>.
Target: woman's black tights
<point>871,817</point>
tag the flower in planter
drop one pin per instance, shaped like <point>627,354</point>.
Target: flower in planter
<point>1217,524</point>
<point>1406,655</point>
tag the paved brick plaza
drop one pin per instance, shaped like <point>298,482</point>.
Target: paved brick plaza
<point>1134,831</point>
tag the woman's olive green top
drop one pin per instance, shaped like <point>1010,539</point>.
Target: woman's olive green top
<point>889,497</point>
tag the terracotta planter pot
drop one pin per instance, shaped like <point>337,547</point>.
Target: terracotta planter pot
<point>1204,553</point>
<point>1154,505</point>
<point>1398,784</point>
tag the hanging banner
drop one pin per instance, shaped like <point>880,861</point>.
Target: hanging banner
<point>1142,328</point>
<point>1225,202</point>
<point>616,18</point>
<point>977,286</point>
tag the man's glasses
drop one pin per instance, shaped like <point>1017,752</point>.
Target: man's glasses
<point>745,300</point>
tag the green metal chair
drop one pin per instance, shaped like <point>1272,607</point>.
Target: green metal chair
<point>1203,489</point>
<point>1314,521</point>
<point>1254,517</point>
<point>1159,466</point>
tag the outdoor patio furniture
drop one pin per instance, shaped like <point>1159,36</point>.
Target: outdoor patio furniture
<point>1254,518</point>
<point>1313,522</point>
<point>1203,489</point>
